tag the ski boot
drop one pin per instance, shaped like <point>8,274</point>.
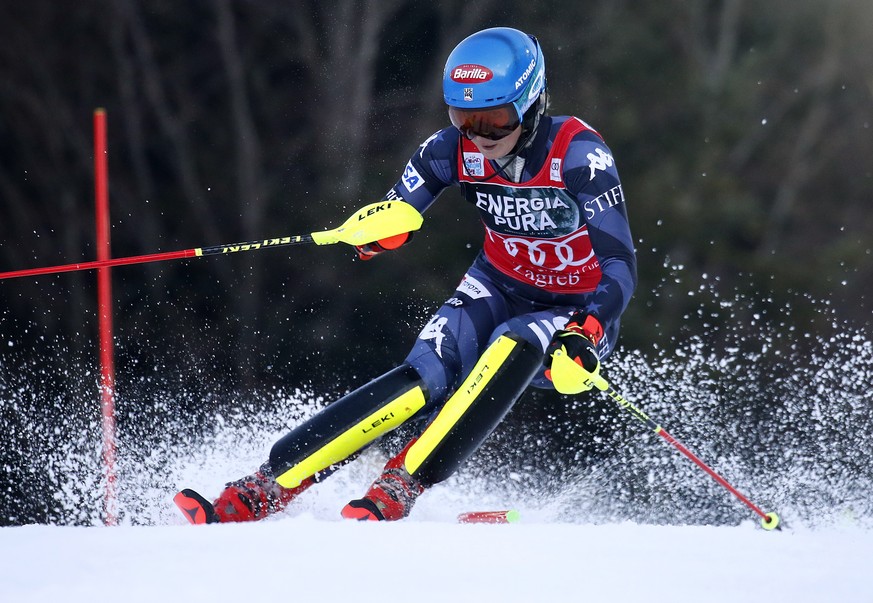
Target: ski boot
<point>391,496</point>
<point>251,498</point>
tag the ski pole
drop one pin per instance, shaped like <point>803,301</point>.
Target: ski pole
<point>371,223</point>
<point>769,521</point>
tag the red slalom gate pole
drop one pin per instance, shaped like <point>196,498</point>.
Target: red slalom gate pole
<point>97,264</point>
<point>104,311</point>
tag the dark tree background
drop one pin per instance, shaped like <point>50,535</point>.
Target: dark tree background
<point>742,133</point>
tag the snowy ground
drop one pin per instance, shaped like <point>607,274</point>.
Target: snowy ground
<point>308,559</point>
<point>309,554</point>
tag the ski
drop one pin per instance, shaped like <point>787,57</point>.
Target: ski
<point>509,516</point>
<point>197,510</point>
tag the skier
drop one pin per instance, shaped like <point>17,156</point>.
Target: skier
<point>555,274</point>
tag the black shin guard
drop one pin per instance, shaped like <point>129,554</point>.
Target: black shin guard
<point>475,409</point>
<point>347,425</point>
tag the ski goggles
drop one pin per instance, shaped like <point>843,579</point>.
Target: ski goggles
<point>493,123</point>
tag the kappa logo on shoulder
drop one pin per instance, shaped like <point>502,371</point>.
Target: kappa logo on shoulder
<point>427,141</point>
<point>599,160</point>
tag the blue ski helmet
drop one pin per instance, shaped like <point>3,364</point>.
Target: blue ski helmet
<point>497,68</point>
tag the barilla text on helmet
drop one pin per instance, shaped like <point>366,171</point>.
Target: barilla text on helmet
<point>471,74</point>
<point>495,66</point>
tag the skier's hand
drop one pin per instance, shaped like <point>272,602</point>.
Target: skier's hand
<point>572,359</point>
<point>371,250</point>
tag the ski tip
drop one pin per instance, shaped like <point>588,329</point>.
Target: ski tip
<point>196,509</point>
<point>509,516</point>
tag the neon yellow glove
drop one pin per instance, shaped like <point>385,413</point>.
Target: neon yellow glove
<point>574,365</point>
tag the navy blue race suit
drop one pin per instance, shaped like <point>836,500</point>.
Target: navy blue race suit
<point>557,241</point>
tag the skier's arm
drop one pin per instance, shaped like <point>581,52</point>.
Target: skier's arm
<point>573,357</point>
<point>427,173</point>
<point>591,175</point>
<point>430,170</point>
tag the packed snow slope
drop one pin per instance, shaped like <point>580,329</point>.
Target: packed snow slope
<point>308,559</point>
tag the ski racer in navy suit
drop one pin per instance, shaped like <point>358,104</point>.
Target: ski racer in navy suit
<point>556,272</point>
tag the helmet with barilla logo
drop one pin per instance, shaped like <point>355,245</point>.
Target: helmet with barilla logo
<point>494,67</point>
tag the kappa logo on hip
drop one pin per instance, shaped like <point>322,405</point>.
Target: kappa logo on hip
<point>434,330</point>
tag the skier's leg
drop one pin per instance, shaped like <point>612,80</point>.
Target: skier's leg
<point>462,425</point>
<point>249,498</point>
<point>449,345</point>
<point>348,425</point>
<point>314,449</point>
<point>475,409</point>
<point>391,496</point>
<point>447,348</point>
<point>511,362</point>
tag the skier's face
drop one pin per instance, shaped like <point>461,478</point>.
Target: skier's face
<point>495,149</point>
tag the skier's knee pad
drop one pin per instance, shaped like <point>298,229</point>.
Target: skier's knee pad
<point>347,425</point>
<point>475,409</point>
